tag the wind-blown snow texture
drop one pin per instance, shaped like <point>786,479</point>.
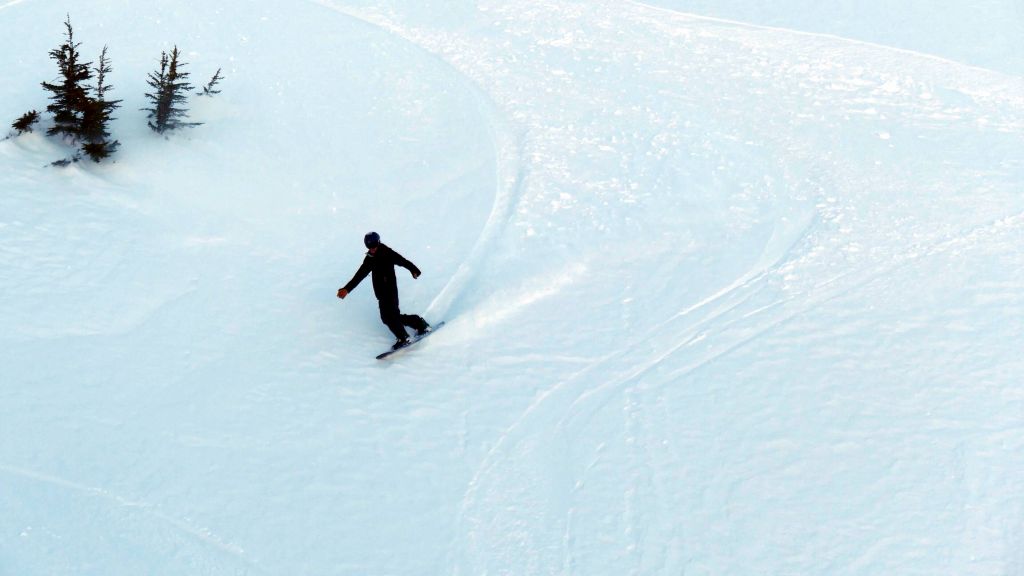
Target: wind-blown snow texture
<point>722,299</point>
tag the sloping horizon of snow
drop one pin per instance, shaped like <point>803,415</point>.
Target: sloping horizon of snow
<point>720,298</point>
<point>985,34</point>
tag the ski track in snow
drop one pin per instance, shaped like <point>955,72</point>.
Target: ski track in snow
<point>831,37</point>
<point>586,400</point>
<point>509,176</point>
<point>577,398</point>
<point>119,504</point>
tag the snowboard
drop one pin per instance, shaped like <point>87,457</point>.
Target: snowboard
<point>412,340</point>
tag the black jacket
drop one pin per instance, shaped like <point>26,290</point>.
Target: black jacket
<point>382,264</point>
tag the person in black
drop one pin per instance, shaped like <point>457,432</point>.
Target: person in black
<point>381,261</point>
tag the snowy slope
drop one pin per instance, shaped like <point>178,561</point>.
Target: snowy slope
<point>985,33</point>
<point>721,299</point>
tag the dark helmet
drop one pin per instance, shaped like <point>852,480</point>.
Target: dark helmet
<point>371,240</point>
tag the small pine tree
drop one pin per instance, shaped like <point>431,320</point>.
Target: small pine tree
<point>97,115</point>
<point>170,85</point>
<point>208,89</point>
<point>161,104</point>
<point>24,124</point>
<point>70,98</point>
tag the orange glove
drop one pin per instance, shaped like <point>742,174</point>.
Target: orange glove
<point>342,293</point>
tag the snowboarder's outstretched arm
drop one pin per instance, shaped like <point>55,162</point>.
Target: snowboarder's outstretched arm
<point>401,261</point>
<point>363,271</point>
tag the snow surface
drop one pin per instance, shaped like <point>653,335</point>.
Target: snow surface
<point>721,298</point>
<point>986,33</point>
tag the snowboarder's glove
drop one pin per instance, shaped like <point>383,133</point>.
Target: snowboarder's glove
<point>342,293</point>
<point>415,275</point>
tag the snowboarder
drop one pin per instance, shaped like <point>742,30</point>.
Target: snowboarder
<point>381,261</point>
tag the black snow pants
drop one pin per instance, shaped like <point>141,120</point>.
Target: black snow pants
<point>396,321</point>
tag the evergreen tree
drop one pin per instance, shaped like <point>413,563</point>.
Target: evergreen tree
<point>97,115</point>
<point>208,89</point>
<point>170,86</point>
<point>70,98</point>
<point>161,104</point>
<point>24,124</point>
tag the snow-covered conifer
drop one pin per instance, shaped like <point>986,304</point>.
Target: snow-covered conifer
<point>70,97</point>
<point>97,115</point>
<point>170,87</point>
